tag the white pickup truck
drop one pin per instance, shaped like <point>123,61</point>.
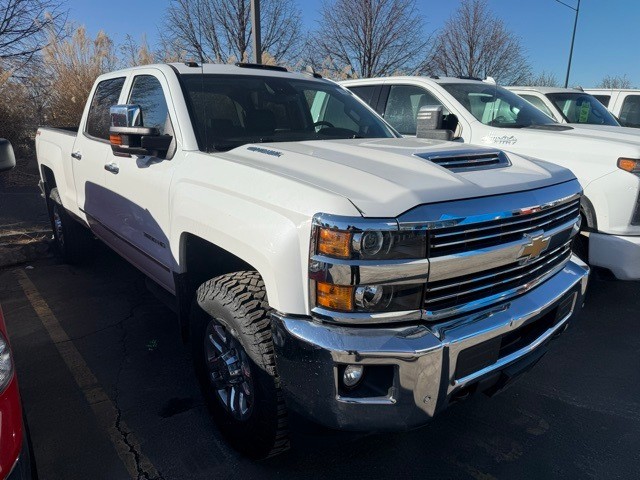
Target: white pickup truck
<point>623,103</point>
<point>606,161</point>
<point>318,262</point>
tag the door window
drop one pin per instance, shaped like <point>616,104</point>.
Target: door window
<point>630,112</point>
<point>538,103</point>
<point>147,92</point>
<point>403,104</point>
<point>107,95</point>
<point>365,93</point>
<point>603,99</point>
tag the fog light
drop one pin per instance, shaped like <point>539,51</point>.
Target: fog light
<point>352,375</point>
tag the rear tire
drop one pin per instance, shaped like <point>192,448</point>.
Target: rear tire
<point>234,359</point>
<point>73,241</point>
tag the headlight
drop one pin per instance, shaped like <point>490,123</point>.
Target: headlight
<point>6,363</point>
<point>366,266</point>
<point>368,298</point>
<point>629,165</point>
<point>371,244</point>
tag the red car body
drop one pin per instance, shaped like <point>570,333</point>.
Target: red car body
<point>14,451</point>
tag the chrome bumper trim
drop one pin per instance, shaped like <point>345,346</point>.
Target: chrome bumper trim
<point>517,355</point>
<point>424,357</point>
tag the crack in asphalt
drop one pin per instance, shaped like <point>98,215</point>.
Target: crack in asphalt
<point>143,474</point>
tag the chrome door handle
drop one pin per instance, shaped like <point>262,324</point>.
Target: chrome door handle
<point>112,167</point>
<point>76,155</point>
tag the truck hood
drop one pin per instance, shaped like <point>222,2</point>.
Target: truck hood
<point>625,134</point>
<point>385,177</point>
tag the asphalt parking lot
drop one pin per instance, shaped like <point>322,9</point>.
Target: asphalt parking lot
<point>109,393</point>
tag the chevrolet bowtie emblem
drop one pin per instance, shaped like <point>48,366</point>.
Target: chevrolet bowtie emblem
<point>534,247</point>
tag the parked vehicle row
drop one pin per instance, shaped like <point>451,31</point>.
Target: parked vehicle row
<point>318,261</point>
<point>605,160</point>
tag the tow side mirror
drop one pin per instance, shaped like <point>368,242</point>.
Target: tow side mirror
<point>128,135</point>
<point>429,124</point>
<point>7,158</point>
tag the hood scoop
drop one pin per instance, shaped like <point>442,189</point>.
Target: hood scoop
<point>468,160</point>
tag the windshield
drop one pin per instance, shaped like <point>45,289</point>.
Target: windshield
<point>496,106</point>
<point>582,108</point>
<point>229,111</point>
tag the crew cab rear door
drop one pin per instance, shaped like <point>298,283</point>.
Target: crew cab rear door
<point>90,151</point>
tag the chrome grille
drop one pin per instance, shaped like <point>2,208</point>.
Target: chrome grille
<point>449,294</point>
<point>481,260</point>
<point>465,161</point>
<point>462,238</point>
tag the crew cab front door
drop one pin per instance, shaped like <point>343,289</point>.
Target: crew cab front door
<point>139,186</point>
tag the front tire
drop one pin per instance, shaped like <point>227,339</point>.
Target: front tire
<point>234,359</point>
<point>73,241</point>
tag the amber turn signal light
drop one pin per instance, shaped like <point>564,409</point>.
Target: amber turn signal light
<point>334,297</point>
<point>115,139</point>
<point>334,243</point>
<point>629,165</point>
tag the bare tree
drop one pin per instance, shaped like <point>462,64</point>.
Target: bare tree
<point>615,81</point>
<point>24,25</point>
<point>367,38</point>
<point>133,53</point>
<point>543,79</point>
<point>476,43</point>
<point>220,30</point>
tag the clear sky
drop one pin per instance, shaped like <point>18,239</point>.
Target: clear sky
<point>607,39</point>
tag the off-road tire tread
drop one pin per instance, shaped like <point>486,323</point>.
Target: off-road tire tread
<point>244,293</point>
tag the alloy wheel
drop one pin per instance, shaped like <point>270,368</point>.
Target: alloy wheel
<point>229,371</point>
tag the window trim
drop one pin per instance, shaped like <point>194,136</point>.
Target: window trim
<point>85,131</point>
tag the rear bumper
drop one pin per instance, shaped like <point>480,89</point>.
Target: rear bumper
<point>413,372</point>
<point>620,254</point>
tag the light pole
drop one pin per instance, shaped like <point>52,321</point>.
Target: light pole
<point>255,29</point>
<point>573,38</point>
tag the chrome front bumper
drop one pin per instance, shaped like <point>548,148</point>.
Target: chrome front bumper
<point>422,368</point>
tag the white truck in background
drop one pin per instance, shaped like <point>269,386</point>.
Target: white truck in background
<point>606,161</point>
<point>317,261</point>
<point>623,103</point>
<point>572,106</point>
